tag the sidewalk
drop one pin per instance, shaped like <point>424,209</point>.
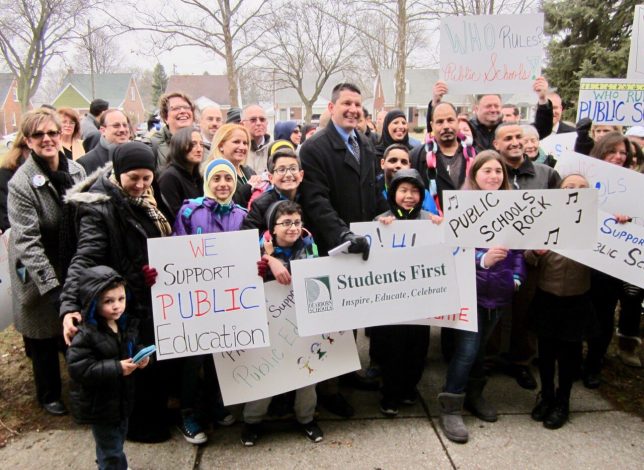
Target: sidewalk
<point>596,437</point>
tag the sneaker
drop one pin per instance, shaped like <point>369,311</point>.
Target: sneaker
<point>250,434</point>
<point>409,398</point>
<point>313,432</point>
<point>191,430</point>
<point>227,420</point>
<point>388,408</point>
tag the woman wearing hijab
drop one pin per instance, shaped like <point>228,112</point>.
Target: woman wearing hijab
<point>395,130</point>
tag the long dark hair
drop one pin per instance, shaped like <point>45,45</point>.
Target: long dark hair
<point>608,143</point>
<point>180,146</point>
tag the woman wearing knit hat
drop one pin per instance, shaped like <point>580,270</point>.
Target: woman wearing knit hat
<point>118,210</point>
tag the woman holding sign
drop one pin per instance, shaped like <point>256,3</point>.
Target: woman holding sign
<point>118,211</point>
<point>499,272</point>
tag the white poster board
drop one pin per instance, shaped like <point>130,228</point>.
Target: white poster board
<point>619,250</point>
<point>404,233</point>
<point>291,361</point>
<point>636,56</point>
<point>611,101</point>
<point>620,190</point>
<point>6,301</point>
<point>394,286</point>
<point>521,219</point>
<point>208,297</point>
<point>491,53</point>
<point>557,144</point>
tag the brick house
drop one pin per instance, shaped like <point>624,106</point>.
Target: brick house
<point>204,90</point>
<point>10,110</point>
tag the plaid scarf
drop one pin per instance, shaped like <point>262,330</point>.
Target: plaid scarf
<point>149,204</point>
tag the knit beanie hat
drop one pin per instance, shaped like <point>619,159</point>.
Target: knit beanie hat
<point>233,116</point>
<point>132,156</point>
<point>214,167</point>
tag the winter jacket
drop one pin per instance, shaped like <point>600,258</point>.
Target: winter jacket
<point>304,248</point>
<point>111,233</point>
<point>103,394</point>
<point>559,275</point>
<point>257,159</point>
<point>35,263</point>
<point>177,185</point>
<point>5,175</point>
<point>96,158</point>
<point>243,192</point>
<point>203,215</point>
<point>533,176</point>
<point>160,142</point>
<point>256,217</point>
<point>495,286</point>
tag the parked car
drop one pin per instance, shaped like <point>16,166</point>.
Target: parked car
<point>8,139</point>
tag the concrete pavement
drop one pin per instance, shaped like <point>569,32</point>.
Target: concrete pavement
<point>597,436</point>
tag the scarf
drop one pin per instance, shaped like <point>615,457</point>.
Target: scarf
<point>60,179</point>
<point>148,204</point>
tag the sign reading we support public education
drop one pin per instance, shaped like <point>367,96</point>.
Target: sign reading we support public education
<point>290,362</point>
<point>6,301</point>
<point>611,101</point>
<point>408,233</point>
<point>521,219</point>
<point>208,297</point>
<point>619,190</point>
<point>619,250</point>
<point>394,286</point>
<point>491,53</point>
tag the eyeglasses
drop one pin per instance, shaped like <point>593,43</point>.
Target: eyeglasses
<point>118,125</point>
<point>39,134</point>
<point>282,170</point>
<point>180,107</point>
<point>288,223</point>
<point>255,119</point>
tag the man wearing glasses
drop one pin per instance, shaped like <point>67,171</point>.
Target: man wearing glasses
<point>177,111</point>
<point>114,127</point>
<point>254,119</point>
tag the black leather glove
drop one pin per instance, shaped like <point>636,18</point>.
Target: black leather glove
<point>359,244</point>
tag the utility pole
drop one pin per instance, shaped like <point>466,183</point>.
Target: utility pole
<point>91,59</point>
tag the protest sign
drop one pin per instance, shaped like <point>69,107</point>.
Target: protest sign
<point>636,56</point>
<point>521,219</point>
<point>6,301</point>
<point>557,144</point>
<point>619,250</point>
<point>404,233</point>
<point>208,297</point>
<point>619,190</point>
<point>611,101</point>
<point>291,361</point>
<point>393,286</point>
<point>491,53</point>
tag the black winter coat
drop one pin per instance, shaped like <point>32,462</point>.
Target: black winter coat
<point>177,185</point>
<point>256,217</point>
<point>96,158</point>
<point>336,189</point>
<point>5,176</point>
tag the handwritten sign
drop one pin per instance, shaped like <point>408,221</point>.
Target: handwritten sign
<point>636,57</point>
<point>611,101</point>
<point>557,144</point>
<point>491,53</point>
<point>208,297</point>
<point>521,219</point>
<point>620,190</point>
<point>619,250</point>
<point>406,233</point>
<point>6,301</point>
<point>291,362</point>
<point>393,286</point>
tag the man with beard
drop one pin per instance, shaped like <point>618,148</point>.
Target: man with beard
<point>114,127</point>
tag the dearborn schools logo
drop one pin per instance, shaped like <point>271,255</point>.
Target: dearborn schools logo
<point>318,294</point>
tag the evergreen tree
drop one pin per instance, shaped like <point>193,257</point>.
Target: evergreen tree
<point>588,39</point>
<point>159,83</point>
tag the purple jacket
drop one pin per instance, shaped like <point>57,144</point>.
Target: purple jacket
<point>495,286</point>
<point>203,215</point>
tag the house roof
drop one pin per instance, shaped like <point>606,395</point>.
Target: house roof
<point>421,82</point>
<point>289,96</point>
<point>6,79</point>
<point>213,87</point>
<point>111,87</point>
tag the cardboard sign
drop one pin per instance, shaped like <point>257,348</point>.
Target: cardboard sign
<point>291,362</point>
<point>491,53</point>
<point>619,250</point>
<point>6,301</point>
<point>393,286</point>
<point>636,57</point>
<point>521,219</point>
<point>405,233</point>
<point>557,144</point>
<point>208,297</point>
<point>620,190</point>
<point>611,101</point>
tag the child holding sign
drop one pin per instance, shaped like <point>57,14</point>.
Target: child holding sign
<point>499,272</point>
<point>215,212</point>
<point>100,361</point>
<point>282,243</point>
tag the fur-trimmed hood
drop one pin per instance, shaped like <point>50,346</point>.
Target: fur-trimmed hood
<point>81,193</point>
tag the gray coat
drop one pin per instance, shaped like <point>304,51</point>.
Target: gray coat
<point>33,211</point>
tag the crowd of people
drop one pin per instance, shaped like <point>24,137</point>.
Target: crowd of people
<point>82,197</point>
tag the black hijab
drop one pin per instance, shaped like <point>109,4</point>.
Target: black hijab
<point>385,139</point>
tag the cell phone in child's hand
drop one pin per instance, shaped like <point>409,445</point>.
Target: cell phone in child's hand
<point>143,353</point>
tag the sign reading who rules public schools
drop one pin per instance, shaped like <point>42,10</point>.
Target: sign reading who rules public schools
<point>393,286</point>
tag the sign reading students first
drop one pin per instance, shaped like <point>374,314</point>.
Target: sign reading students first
<point>208,298</point>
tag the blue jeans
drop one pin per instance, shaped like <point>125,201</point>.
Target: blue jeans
<point>109,438</point>
<point>469,351</point>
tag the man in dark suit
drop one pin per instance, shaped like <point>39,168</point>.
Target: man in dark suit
<point>115,130</point>
<point>558,127</point>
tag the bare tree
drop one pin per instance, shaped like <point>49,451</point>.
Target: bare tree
<point>97,50</point>
<point>304,48</point>
<point>32,32</point>
<point>484,7</point>
<point>225,28</point>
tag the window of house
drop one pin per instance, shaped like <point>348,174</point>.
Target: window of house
<point>132,94</point>
<point>15,94</point>
<point>14,121</point>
